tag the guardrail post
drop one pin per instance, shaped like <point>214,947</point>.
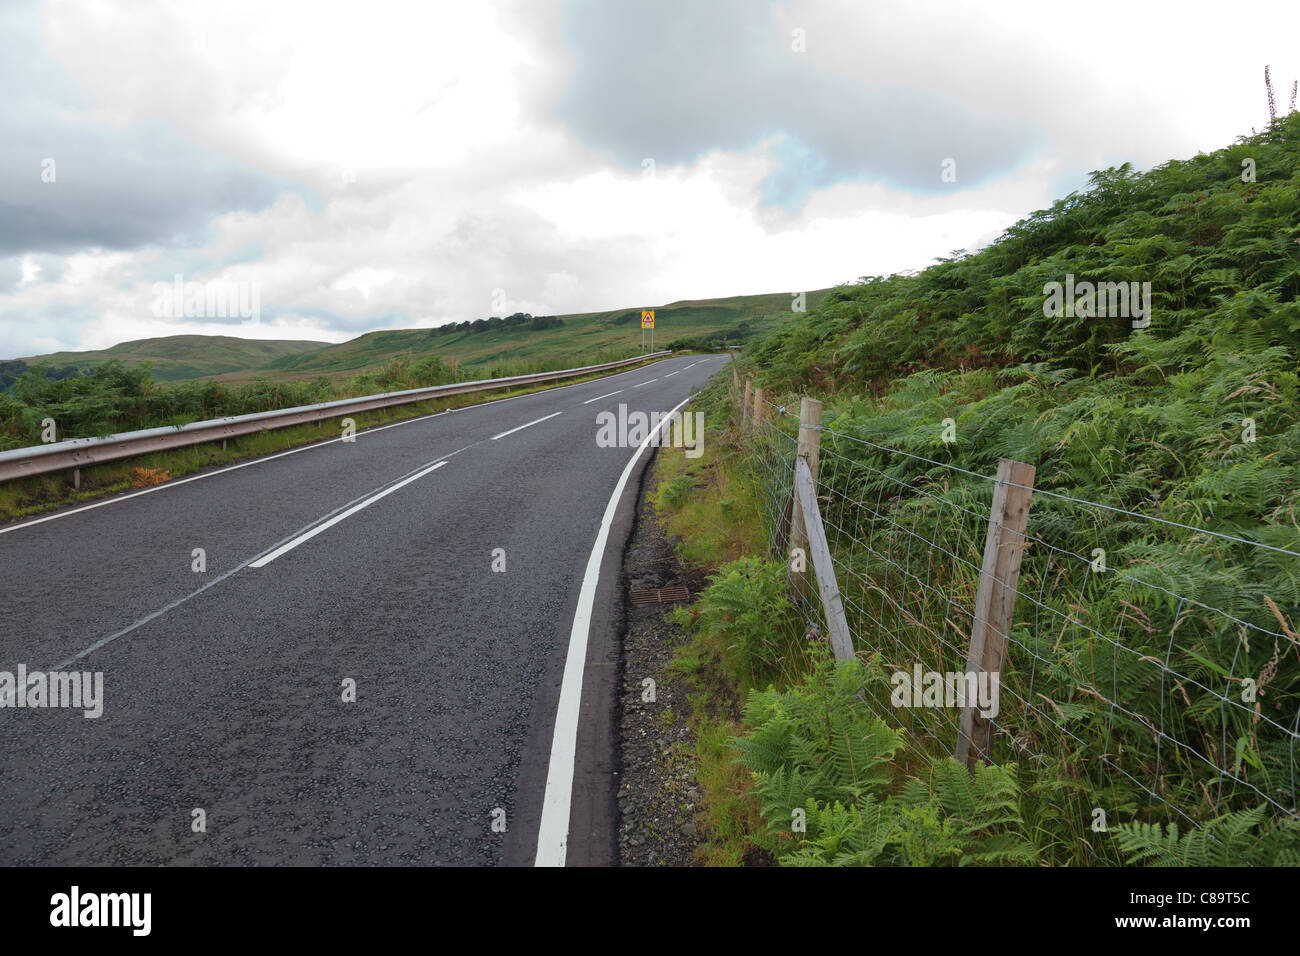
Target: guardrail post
<point>75,475</point>
<point>995,601</point>
<point>810,420</point>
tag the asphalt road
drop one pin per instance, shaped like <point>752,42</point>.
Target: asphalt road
<point>223,688</point>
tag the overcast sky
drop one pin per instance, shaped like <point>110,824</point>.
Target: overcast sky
<point>390,164</point>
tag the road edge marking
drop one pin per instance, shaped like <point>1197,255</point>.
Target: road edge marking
<point>553,830</point>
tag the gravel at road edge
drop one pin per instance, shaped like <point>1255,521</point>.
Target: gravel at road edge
<point>657,789</point>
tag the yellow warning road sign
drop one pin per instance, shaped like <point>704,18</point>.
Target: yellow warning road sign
<point>647,318</point>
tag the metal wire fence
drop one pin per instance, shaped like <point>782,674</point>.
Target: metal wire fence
<point>1147,659</point>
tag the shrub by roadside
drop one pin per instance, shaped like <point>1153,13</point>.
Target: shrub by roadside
<point>803,772</point>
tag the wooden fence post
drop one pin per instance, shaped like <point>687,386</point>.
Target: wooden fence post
<point>995,601</point>
<point>760,410</point>
<point>837,626</point>
<point>735,375</point>
<point>744,407</point>
<point>810,419</point>
<point>810,436</point>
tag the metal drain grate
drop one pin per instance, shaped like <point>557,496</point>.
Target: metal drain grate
<point>659,595</point>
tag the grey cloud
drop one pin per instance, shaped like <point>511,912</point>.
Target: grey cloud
<point>116,188</point>
<point>334,321</point>
<point>11,273</point>
<point>673,80</point>
<point>49,269</point>
<point>58,321</point>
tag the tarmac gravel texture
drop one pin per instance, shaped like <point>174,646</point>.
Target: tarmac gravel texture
<point>231,701</point>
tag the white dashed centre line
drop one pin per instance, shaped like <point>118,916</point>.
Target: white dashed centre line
<point>527,424</point>
<point>325,525</point>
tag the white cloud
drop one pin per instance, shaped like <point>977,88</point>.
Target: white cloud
<point>31,271</point>
<point>425,165</point>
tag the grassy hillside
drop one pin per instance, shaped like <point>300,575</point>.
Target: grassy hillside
<point>481,347</point>
<point>579,337</point>
<point>111,391</point>
<point>179,357</point>
<point>1126,685</point>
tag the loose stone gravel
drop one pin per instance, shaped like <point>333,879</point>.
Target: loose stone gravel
<point>657,791</point>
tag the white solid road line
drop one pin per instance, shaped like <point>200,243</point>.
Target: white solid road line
<point>289,546</point>
<point>553,831</point>
<point>209,474</point>
<point>176,483</point>
<point>599,397</point>
<point>522,427</point>
<point>648,381</point>
<point>671,374</point>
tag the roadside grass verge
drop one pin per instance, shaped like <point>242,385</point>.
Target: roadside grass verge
<point>764,696</point>
<point>709,506</point>
<point>796,766</point>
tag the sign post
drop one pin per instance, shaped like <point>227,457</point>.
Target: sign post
<point>648,322</point>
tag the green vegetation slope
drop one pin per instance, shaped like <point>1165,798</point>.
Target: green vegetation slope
<point>1161,686</point>
<point>482,344</point>
<point>173,357</point>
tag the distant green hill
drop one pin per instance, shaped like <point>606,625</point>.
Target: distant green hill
<point>579,336</point>
<point>179,357</point>
<point>483,342</point>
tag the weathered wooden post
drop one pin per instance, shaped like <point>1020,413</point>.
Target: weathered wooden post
<point>744,408</point>
<point>995,601</point>
<point>760,408</point>
<point>837,626</point>
<point>810,436</point>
